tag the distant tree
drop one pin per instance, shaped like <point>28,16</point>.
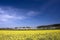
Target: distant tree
<point>28,27</point>
<point>24,27</point>
<point>53,26</point>
<point>16,27</point>
<point>56,25</point>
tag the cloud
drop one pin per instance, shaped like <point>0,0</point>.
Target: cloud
<point>10,17</point>
<point>8,13</point>
<point>11,14</point>
<point>32,13</point>
<point>1,11</point>
<point>13,17</point>
<point>15,13</point>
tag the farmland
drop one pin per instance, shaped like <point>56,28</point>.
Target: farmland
<point>29,34</point>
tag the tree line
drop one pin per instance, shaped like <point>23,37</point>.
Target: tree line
<point>52,26</point>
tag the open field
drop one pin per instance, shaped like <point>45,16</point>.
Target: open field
<point>30,35</point>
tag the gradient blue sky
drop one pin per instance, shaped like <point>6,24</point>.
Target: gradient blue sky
<point>29,12</point>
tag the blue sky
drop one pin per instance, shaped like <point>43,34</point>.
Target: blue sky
<point>29,12</point>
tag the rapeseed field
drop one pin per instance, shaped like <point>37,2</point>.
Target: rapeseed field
<point>29,34</point>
